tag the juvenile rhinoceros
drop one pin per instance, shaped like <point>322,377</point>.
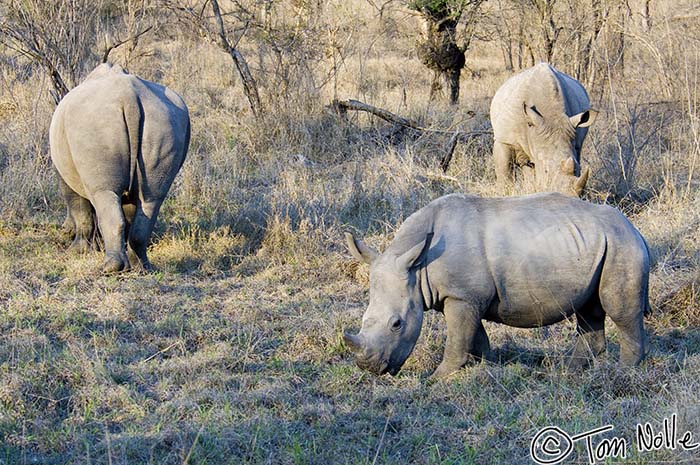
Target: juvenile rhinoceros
<point>540,118</point>
<point>117,142</point>
<point>525,261</point>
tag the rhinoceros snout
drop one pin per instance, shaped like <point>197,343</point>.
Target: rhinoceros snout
<point>378,368</point>
<point>367,359</point>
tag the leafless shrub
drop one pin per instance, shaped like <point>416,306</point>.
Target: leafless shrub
<point>139,18</point>
<point>580,38</point>
<point>59,36</point>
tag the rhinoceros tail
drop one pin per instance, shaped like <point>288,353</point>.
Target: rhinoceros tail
<point>647,305</point>
<point>133,119</point>
<point>647,310</point>
<point>187,142</point>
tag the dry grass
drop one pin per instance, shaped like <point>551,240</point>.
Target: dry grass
<point>231,352</point>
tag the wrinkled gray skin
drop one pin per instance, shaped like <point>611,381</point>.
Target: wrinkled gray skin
<point>525,261</point>
<point>117,142</point>
<point>540,118</point>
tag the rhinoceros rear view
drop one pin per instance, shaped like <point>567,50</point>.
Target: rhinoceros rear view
<point>522,261</point>
<point>117,142</point>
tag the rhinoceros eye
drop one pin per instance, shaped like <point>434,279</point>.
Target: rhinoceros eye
<point>395,323</point>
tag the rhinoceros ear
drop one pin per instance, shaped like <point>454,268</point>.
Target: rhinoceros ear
<point>584,119</point>
<point>416,257</point>
<point>532,116</point>
<point>361,251</point>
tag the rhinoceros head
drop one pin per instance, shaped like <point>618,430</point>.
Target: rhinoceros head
<point>392,322</point>
<point>552,142</point>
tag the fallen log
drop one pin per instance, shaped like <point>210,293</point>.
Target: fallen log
<point>341,107</point>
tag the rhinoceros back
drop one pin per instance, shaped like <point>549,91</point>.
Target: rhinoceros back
<point>538,258</point>
<point>113,122</point>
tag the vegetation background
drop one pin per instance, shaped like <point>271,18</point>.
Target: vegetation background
<point>231,352</point>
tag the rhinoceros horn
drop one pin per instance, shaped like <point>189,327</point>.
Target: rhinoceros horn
<point>353,341</point>
<point>582,180</point>
<point>568,166</point>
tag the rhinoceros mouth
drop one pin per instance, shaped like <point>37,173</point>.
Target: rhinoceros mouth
<point>383,368</point>
<point>377,368</point>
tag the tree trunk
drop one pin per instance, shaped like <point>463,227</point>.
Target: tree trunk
<point>59,86</point>
<point>646,17</point>
<point>508,57</point>
<point>440,52</point>
<point>249,86</point>
<point>435,86</point>
<point>587,70</point>
<point>453,76</point>
<point>625,12</point>
<point>551,32</point>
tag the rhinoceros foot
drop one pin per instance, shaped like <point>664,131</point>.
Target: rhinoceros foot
<point>68,227</point>
<point>577,362</point>
<point>138,264</point>
<point>80,246</point>
<point>444,370</point>
<point>115,264</point>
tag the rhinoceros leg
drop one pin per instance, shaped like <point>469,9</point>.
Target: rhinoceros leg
<point>590,325</point>
<point>79,220</point>
<point>68,224</point>
<point>140,231</point>
<point>465,337</point>
<point>632,349</point>
<point>503,161</point>
<point>482,346</point>
<point>112,223</point>
<point>82,213</point>
<point>632,337</point>
<point>129,210</point>
<point>623,295</point>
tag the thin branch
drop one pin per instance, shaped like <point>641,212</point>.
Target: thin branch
<point>447,158</point>
<point>119,43</point>
<point>249,86</point>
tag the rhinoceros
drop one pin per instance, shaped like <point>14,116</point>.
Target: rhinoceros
<point>117,142</point>
<point>540,118</point>
<point>525,261</point>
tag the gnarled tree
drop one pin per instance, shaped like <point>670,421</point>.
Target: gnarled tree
<point>442,47</point>
<point>216,30</point>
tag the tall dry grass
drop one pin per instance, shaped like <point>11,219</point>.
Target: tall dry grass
<point>231,352</point>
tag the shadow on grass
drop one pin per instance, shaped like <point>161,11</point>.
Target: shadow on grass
<point>675,343</point>
<point>679,343</point>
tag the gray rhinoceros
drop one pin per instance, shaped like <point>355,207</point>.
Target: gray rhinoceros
<point>117,142</point>
<point>524,261</point>
<point>540,118</point>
